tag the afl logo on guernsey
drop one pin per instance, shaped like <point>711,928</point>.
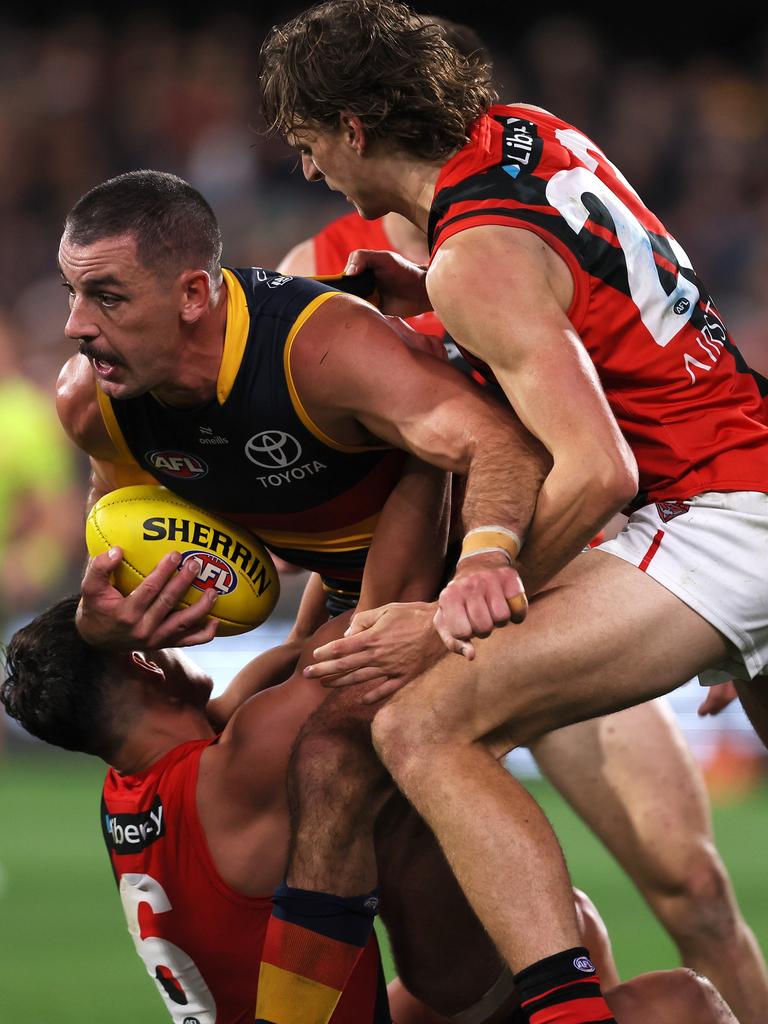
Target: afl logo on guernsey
<point>273,449</point>
<point>215,573</point>
<point>177,464</point>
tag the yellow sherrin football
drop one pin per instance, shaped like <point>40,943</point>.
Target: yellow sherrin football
<point>148,522</point>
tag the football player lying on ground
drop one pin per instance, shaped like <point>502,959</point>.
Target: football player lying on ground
<point>196,823</point>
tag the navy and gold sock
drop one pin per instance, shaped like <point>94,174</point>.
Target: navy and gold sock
<point>313,942</point>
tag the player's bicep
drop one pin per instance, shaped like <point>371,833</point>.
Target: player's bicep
<point>512,318</point>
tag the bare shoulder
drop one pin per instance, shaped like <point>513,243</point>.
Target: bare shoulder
<point>300,261</point>
<point>517,262</point>
<point>78,409</point>
<point>341,336</point>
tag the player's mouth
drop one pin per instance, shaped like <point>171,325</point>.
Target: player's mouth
<point>102,365</point>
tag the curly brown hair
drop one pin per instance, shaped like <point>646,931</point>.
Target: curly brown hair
<point>377,59</point>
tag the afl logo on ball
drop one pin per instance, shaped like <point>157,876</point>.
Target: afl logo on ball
<point>273,449</point>
<point>214,574</point>
<point>177,464</point>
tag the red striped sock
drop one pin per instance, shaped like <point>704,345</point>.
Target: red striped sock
<point>563,989</point>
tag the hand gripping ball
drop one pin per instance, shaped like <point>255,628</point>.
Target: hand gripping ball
<point>148,522</point>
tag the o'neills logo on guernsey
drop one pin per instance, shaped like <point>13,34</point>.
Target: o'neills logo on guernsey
<point>215,573</point>
<point>129,833</point>
<point>217,542</point>
<point>181,465</point>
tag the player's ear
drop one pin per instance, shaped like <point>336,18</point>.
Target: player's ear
<point>143,664</point>
<point>354,131</point>
<point>195,297</point>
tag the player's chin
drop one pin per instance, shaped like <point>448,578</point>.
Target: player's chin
<point>122,389</point>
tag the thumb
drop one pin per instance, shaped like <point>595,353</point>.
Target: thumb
<point>363,620</point>
<point>101,567</point>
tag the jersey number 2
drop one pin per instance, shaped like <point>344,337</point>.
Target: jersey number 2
<point>662,313</point>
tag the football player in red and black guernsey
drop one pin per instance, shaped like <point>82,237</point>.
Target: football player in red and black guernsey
<point>555,278</point>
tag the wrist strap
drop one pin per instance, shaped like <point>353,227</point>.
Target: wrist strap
<point>491,538</point>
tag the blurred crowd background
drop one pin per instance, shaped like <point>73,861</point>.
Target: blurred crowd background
<point>681,107</point>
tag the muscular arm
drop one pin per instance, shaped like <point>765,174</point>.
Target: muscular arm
<point>300,261</point>
<point>361,386</point>
<point>513,319</point>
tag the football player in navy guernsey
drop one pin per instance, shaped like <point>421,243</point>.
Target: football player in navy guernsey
<point>556,281</point>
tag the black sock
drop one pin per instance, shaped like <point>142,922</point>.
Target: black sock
<point>562,988</point>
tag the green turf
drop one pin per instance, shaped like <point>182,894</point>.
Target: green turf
<point>65,954</point>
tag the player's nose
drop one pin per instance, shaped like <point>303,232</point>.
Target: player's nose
<point>79,325</point>
<point>309,167</point>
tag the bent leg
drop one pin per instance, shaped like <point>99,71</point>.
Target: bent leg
<point>631,777</point>
<point>602,636</point>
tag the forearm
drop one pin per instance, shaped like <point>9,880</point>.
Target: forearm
<point>406,560</point>
<point>268,669</point>
<point>503,483</point>
<point>277,664</point>
<point>569,512</point>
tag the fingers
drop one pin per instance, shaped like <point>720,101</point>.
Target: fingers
<point>337,666</point>
<point>453,644</point>
<point>177,628</point>
<point>164,583</point>
<point>358,260</point>
<point>360,675</point>
<point>477,602</point>
<point>100,568</point>
<point>361,621</point>
<point>203,636</point>
<point>718,698</point>
<point>386,689</point>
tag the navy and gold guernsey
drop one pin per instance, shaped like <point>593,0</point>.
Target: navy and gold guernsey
<point>253,454</point>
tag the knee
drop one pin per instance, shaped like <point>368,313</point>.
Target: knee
<point>333,757</point>
<point>395,739</point>
<point>697,903</point>
<point>407,735</point>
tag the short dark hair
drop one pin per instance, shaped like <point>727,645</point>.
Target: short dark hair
<point>393,69</point>
<point>173,224</point>
<point>56,685</point>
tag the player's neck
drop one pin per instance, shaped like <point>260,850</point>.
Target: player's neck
<point>156,733</point>
<point>410,186</point>
<point>201,349</point>
<point>406,238</point>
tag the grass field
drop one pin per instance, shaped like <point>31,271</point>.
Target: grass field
<point>65,954</point>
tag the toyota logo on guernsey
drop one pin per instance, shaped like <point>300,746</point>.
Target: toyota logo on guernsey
<point>273,449</point>
<point>214,573</point>
<point>177,464</point>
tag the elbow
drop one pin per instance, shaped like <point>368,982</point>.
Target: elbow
<point>614,484</point>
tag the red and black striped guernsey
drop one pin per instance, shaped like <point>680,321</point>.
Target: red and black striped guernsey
<point>695,415</point>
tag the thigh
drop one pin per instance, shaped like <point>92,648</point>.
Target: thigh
<point>601,637</point>
<point>632,778</point>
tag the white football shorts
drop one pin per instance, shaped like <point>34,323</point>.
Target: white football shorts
<point>711,551</point>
